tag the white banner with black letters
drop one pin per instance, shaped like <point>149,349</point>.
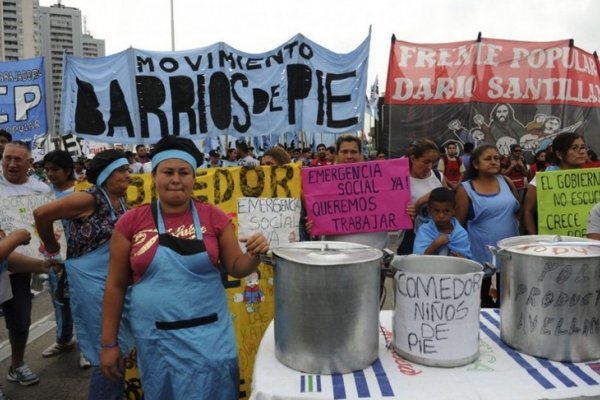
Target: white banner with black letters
<point>139,96</point>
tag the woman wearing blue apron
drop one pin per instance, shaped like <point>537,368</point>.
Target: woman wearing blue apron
<point>174,252</point>
<point>92,215</point>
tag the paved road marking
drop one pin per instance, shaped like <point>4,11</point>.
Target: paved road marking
<point>36,330</point>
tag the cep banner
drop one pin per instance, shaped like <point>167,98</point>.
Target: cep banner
<point>23,98</point>
<point>565,199</point>
<point>251,301</point>
<point>139,96</point>
<point>492,91</point>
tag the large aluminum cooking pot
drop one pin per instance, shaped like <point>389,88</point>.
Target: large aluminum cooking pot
<point>550,296</point>
<point>436,309</point>
<point>327,306</point>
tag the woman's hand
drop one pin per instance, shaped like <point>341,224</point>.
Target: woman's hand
<point>44,266</point>
<point>56,265</point>
<point>20,236</point>
<point>411,210</point>
<point>256,244</point>
<point>112,363</point>
<point>308,226</point>
<point>421,201</point>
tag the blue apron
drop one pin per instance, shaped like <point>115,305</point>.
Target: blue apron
<point>86,275</point>
<point>181,323</point>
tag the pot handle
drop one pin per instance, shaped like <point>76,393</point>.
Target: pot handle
<point>395,263</point>
<point>386,261</point>
<point>388,256</point>
<point>497,252</point>
<point>489,268</point>
<point>268,258</point>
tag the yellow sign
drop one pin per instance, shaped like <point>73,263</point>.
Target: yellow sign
<point>565,199</point>
<point>222,187</point>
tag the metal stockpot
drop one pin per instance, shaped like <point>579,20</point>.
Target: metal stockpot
<point>550,296</point>
<point>436,309</point>
<point>327,306</point>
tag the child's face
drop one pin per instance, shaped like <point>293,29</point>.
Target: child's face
<point>441,212</point>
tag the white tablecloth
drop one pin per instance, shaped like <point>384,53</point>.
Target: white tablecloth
<point>499,373</point>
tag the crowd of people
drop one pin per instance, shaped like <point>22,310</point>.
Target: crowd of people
<point>203,247</point>
<point>150,277</point>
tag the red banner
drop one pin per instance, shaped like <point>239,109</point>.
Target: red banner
<point>492,70</point>
<point>495,91</point>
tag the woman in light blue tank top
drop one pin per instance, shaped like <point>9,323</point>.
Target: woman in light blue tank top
<point>487,204</point>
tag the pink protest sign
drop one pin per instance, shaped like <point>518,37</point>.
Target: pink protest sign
<point>362,197</point>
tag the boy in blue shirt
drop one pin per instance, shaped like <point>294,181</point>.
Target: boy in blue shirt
<point>442,235</point>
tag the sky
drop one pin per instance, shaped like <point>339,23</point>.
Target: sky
<point>339,25</point>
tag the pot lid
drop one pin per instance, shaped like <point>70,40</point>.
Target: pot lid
<point>551,246</point>
<point>327,253</point>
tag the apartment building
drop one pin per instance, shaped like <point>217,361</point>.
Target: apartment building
<point>62,32</point>
<point>19,29</point>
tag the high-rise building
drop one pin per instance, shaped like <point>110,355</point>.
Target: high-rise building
<point>19,29</point>
<point>28,30</point>
<point>62,33</point>
<point>93,47</point>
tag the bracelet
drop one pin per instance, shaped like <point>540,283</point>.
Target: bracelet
<point>111,345</point>
<point>53,256</point>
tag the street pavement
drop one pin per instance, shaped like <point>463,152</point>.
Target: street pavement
<point>60,376</point>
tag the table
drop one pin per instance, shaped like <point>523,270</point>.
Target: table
<point>500,372</point>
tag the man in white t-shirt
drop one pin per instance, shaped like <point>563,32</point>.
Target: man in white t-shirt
<point>245,157</point>
<point>14,181</point>
<point>135,167</point>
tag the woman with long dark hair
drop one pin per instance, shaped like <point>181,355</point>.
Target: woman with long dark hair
<point>423,155</point>
<point>569,151</point>
<point>539,163</point>
<point>486,204</point>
